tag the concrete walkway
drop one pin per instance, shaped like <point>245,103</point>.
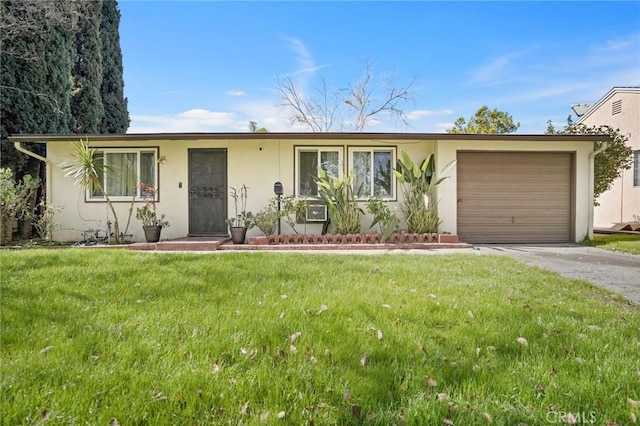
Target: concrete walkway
<point>614,271</point>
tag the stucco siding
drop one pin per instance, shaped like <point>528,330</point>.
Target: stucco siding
<point>621,203</point>
<point>256,163</point>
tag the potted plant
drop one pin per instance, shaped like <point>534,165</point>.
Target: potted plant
<point>243,220</point>
<point>152,224</point>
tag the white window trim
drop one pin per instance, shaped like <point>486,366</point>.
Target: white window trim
<point>636,169</point>
<point>318,149</point>
<point>138,196</point>
<point>393,150</point>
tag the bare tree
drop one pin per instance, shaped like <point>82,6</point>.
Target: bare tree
<point>316,112</point>
<point>352,108</point>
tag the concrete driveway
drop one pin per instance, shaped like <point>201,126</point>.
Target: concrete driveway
<point>618,272</point>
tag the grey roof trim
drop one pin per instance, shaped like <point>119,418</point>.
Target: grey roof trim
<point>44,138</point>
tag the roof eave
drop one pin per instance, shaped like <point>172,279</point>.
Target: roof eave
<point>49,138</point>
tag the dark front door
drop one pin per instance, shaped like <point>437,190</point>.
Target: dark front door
<point>207,192</point>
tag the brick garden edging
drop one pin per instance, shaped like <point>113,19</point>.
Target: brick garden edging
<point>401,241</point>
<point>315,239</point>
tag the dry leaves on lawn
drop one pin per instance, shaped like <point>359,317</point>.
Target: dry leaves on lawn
<point>45,350</point>
<point>431,381</point>
<point>363,360</point>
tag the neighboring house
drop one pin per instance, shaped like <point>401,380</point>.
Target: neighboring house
<point>503,188</point>
<point>619,109</point>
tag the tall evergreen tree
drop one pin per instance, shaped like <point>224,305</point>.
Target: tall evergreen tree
<point>86,74</point>
<point>34,82</point>
<point>52,78</point>
<point>116,115</point>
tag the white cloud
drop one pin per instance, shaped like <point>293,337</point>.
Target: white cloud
<point>552,91</point>
<point>499,69</point>
<point>303,57</point>
<point>421,113</point>
<point>489,72</point>
<point>443,127</point>
<point>610,46</point>
<point>194,120</point>
<point>304,60</point>
<point>236,93</point>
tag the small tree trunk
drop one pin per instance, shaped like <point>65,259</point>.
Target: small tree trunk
<point>116,225</point>
<point>26,224</point>
<point>6,228</point>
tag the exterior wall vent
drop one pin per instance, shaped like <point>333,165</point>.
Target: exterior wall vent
<point>616,107</point>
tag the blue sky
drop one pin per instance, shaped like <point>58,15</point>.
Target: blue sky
<point>208,66</point>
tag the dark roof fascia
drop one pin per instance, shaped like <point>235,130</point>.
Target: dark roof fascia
<point>44,138</point>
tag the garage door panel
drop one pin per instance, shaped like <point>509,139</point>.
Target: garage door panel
<point>514,197</point>
<point>538,218</point>
<point>516,186</point>
<point>523,203</point>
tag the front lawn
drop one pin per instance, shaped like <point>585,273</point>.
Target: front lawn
<point>629,243</point>
<point>92,336</point>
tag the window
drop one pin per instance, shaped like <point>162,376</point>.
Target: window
<point>126,169</point>
<point>308,160</point>
<point>636,168</point>
<point>373,171</point>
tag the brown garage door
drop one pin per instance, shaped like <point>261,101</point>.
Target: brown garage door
<point>514,197</point>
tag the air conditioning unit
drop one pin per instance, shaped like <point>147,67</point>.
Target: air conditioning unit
<point>316,213</point>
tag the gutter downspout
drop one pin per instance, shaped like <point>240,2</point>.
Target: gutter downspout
<point>47,163</point>
<point>592,156</point>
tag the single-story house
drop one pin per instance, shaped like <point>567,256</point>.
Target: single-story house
<point>502,188</point>
<point>619,109</point>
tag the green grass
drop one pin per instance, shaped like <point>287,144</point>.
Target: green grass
<point>629,243</point>
<point>94,336</point>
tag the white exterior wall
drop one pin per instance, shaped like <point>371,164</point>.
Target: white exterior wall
<point>255,163</point>
<point>621,203</point>
<point>446,151</point>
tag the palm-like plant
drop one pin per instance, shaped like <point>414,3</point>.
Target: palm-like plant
<point>86,168</point>
<point>420,207</point>
<point>341,200</point>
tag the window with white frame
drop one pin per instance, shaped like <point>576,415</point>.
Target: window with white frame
<point>373,171</point>
<point>636,168</point>
<point>125,169</point>
<point>308,159</point>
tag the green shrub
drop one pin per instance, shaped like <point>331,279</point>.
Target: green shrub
<point>14,198</point>
<point>267,219</point>
<point>382,216</point>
